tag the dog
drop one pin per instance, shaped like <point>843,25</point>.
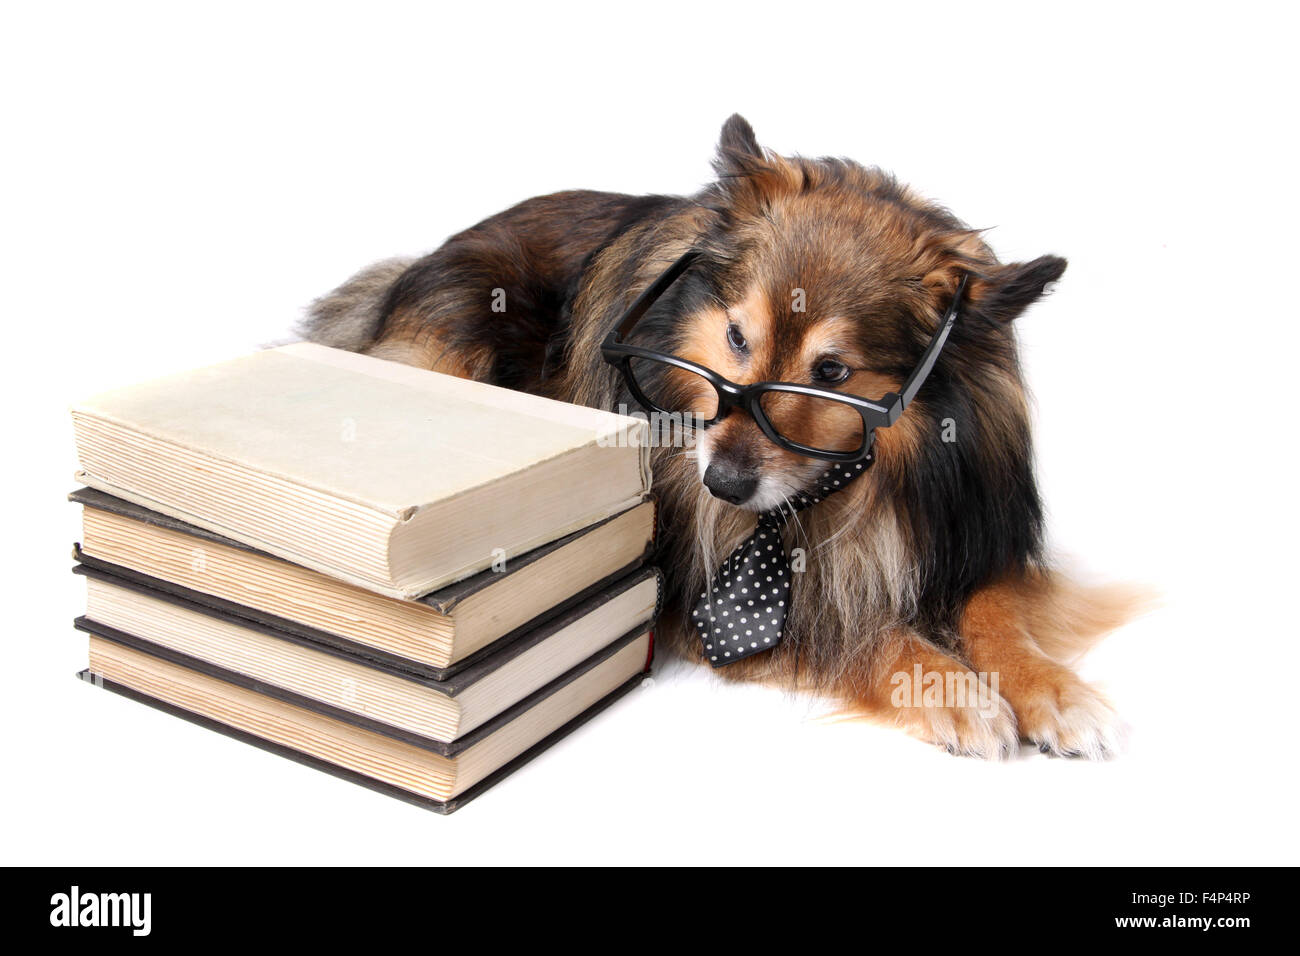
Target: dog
<point>929,567</point>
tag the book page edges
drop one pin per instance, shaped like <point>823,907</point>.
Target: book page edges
<point>409,591</point>
<point>288,554</point>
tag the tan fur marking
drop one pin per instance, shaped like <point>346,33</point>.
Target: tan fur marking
<point>834,336</point>
<point>412,344</point>
<point>902,441</point>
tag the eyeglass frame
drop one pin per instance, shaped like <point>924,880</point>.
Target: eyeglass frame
<point>875,414</point>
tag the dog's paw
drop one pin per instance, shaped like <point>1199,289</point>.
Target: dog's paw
<point>985,728</point>
<point>1068,718</point>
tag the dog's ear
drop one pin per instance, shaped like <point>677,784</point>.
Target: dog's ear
<point>738,136</point>
<point>1003,292</point>
<point>749,177</point>
<point>738,148</point>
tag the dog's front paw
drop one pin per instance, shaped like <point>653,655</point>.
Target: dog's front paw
<point>1067,717</point>
<point>985,727</point>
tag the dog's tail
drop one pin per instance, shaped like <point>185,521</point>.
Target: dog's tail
<point>352,316</point>
<point>1067,618</point>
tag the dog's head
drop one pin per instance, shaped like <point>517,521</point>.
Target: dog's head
<point>826,272</point>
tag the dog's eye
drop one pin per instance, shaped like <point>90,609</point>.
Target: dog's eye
<point>830,372</point>
<point>736,337</point>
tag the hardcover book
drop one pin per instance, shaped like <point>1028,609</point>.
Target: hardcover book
<point>392,478</point>
<point>436,635</point>
<point>436,775</point>
<point>366,691</point>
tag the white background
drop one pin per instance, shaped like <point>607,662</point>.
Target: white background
<point>178,184</point>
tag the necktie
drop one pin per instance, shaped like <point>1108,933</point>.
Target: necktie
<point>742,612</point>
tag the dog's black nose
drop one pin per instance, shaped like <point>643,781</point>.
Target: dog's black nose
<point>728,484</point>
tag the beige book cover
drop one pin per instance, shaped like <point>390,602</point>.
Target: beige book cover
<point>393,478</point>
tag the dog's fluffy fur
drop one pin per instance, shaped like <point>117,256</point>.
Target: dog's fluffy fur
<point>935,556</point>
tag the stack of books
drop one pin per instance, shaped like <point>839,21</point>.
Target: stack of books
<point>409,580</point>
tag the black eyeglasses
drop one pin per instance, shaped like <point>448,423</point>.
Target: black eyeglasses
<point>805,419</point>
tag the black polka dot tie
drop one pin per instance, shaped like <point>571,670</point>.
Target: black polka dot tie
<point>744,608</point>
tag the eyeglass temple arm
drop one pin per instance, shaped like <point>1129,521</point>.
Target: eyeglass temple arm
<point>647,298</point>
<point>924,367</point>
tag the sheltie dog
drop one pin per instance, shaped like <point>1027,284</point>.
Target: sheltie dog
<point>929,566</point>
